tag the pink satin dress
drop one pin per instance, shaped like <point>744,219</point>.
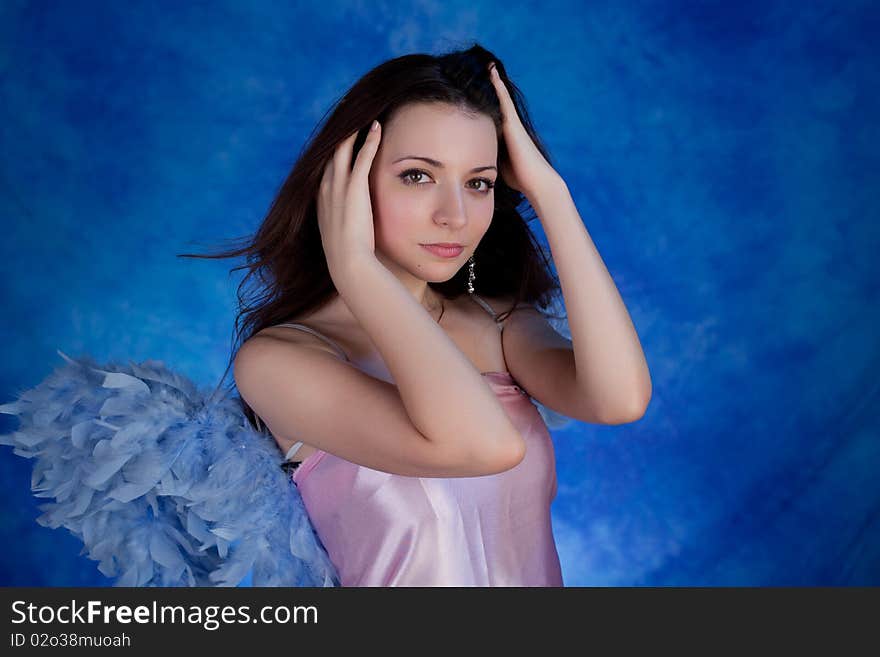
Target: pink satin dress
<point>382,529</point>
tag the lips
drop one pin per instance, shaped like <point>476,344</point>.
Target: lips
<point>443,251</point>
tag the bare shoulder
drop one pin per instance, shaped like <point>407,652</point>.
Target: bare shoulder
<point>305,395</point>
<point>270,345</point>
<point>280,335</point>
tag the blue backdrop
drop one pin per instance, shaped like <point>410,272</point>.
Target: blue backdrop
<point>723,155</point>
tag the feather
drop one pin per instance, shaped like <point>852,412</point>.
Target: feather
<point>164,484</point>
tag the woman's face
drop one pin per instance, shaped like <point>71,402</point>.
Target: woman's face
<point>417,202</point>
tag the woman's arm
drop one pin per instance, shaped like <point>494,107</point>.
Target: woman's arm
<point>611,373</point>
<point>444,395</point>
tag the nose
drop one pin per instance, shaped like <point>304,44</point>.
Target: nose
<point>452,211</point>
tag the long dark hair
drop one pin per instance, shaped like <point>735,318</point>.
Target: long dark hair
<point>286,255</point>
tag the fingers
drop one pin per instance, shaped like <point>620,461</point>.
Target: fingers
<point>335,176</point>
<point>337,168</point>
<point>367,153</point>
<point>500,88</point>
<point>342,161</point>
<point>333,170</point>
<point>327,177</point>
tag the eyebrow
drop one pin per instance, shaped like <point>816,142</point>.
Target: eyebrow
<point>437,164</point>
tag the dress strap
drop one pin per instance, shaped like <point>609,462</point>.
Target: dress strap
<point>295,447</point>
<point>486,306</point>
<point>499,323</point>
<point>308,329</point>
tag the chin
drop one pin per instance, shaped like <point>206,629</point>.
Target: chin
<point>435,273</point>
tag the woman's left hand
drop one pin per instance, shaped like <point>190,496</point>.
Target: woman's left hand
<point>527,172</point>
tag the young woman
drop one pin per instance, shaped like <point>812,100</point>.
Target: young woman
<point>396,352</point>
<point>419,455</point>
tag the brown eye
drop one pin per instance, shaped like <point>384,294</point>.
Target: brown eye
<point>405,176</point>
<point>407,180</point>
<point>489,184</point>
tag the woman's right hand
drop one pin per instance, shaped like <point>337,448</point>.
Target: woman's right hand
<point>345,213</point>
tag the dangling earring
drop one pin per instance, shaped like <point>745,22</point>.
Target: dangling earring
<point>471,276</point>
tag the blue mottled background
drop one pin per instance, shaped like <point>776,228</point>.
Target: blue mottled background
<point>723,155</point>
